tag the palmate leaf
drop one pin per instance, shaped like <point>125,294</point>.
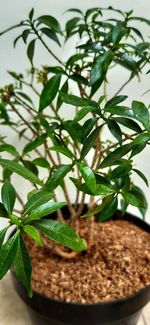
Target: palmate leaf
<point>22,265</point>
<point>61,233</point>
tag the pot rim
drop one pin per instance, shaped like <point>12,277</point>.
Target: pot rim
<point>129,217</point>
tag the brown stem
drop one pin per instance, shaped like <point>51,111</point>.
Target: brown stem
<point>20,199</point>
<point>26,106</point>
<point>122,87</point>
<point>59,213</point>
<point>90,225</point>
<point>22,118</point>
<point>32,87</point>
<point>45,45</point>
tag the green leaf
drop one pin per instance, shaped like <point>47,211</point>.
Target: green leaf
<point>36,200</point>
<point>119,110</point>
<point>142,176</point>
<point>116,154</point>
<point>10,28</point>
<point>30,166</point>
<point>22,265</point>
<point>137,149</point>
<point>8,148</point>
<point>2,235</point>
<point>61,233</point>
<point>121,170</point>
<point>8,196</point>
<point>74,130</point>
<point>70,25</point>
<point>31,13</point>
<point>75,10</point>
<point>108,208</point>
<point>83,112</point>
<point>115,101</point>
<point>81,187</point>
<point>33,233</point>
<point>142,138</point>
<point>87,128</point>
<point>51,34</point>
<point>64,90</point>
<point>57,177</point>
<point>79,79</point>
<point>128,62</point>
<point>115,130</point>
<point>42,162</point>
<point>30,50</point>
<point>133,198</point>
<point>51,22</point>
<point>118,32</point>
<point>49,92</point>
<point>128,123</point>
<point>20,170</point>
<point>3,211</point>
<point>88,176</point>
<point>90,141</point>
<point>142,19</point>
<point>7,254</point>
<point>140,194</point>
<point>43,211</point>
<point>101,189</point>
<point>34,144</point>
<point>64,150</point>
<point>75,58</point>
<point>76,101</point>
<point>24,96</point>
<point>93,212</point>
<point>141,112</point>
<point>99,70</point>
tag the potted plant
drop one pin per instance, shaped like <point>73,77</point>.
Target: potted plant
<point>76,280</point>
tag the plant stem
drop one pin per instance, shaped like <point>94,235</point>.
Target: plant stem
<point>45,45</point>
<point>122,87</point>
<point>22,118</point>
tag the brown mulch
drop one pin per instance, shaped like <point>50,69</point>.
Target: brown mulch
<point>118,265</point>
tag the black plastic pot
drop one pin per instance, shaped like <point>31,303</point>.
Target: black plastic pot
<point>125,311</point>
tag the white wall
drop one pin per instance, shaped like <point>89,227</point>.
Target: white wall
<point>12,11</point>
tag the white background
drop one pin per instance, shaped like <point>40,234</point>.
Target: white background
<point>13,11</point>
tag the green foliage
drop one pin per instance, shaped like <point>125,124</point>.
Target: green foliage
<point>61,233</point>
<point>31,106</point>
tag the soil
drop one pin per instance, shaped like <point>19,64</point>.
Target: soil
<point>118,265</point>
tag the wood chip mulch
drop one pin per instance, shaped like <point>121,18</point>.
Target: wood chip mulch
<point>118,265</point>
